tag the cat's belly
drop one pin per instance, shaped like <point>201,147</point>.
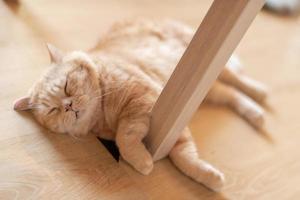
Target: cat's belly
<point>153,57</point>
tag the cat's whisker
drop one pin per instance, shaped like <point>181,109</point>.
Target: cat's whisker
<point>107,93</point>
<point>99,97</point>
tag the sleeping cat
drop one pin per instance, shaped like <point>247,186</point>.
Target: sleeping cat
<point>111,89</point>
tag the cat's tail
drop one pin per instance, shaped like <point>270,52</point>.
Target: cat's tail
<point>185,157</point>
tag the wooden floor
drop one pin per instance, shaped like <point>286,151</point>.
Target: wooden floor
<point>36,164</point>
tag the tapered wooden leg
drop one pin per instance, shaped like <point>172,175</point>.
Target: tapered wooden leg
<point>218,35</point>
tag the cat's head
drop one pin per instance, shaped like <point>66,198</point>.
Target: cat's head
<point>64,100</point>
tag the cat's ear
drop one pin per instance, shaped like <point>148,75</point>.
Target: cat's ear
<point>56,55</point>
<point>22,104</point>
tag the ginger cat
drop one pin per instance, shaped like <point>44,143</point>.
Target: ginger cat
<point>110,90</point>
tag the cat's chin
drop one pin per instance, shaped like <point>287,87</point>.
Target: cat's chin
<point>79,129</point>
<point>78,133</point>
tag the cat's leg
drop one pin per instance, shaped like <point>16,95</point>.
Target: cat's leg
<point>185,157</point>
<point>251,87</point>
<point>130,134</point>
<point>222,94</point>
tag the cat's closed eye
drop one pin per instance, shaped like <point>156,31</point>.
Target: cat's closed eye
<point>66,89</point>
<point>52,110</point>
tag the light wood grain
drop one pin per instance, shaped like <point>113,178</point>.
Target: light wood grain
<point>36,164</point>
<point>212,45</point>
<point>256,166</point>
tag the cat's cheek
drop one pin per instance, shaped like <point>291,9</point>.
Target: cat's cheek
<point>57,128</point>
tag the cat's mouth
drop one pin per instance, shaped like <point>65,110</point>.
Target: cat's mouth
<point>76,114</point>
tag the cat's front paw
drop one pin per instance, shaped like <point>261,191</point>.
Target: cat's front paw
<point>144,167</point>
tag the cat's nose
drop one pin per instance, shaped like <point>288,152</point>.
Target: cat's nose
<point>68,106</point>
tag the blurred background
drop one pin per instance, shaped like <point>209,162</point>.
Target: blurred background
<point>257,165</point>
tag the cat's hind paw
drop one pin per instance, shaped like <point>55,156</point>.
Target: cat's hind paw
<point>214,180</point>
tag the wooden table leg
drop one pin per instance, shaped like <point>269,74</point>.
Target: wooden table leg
<point>218,35</point>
